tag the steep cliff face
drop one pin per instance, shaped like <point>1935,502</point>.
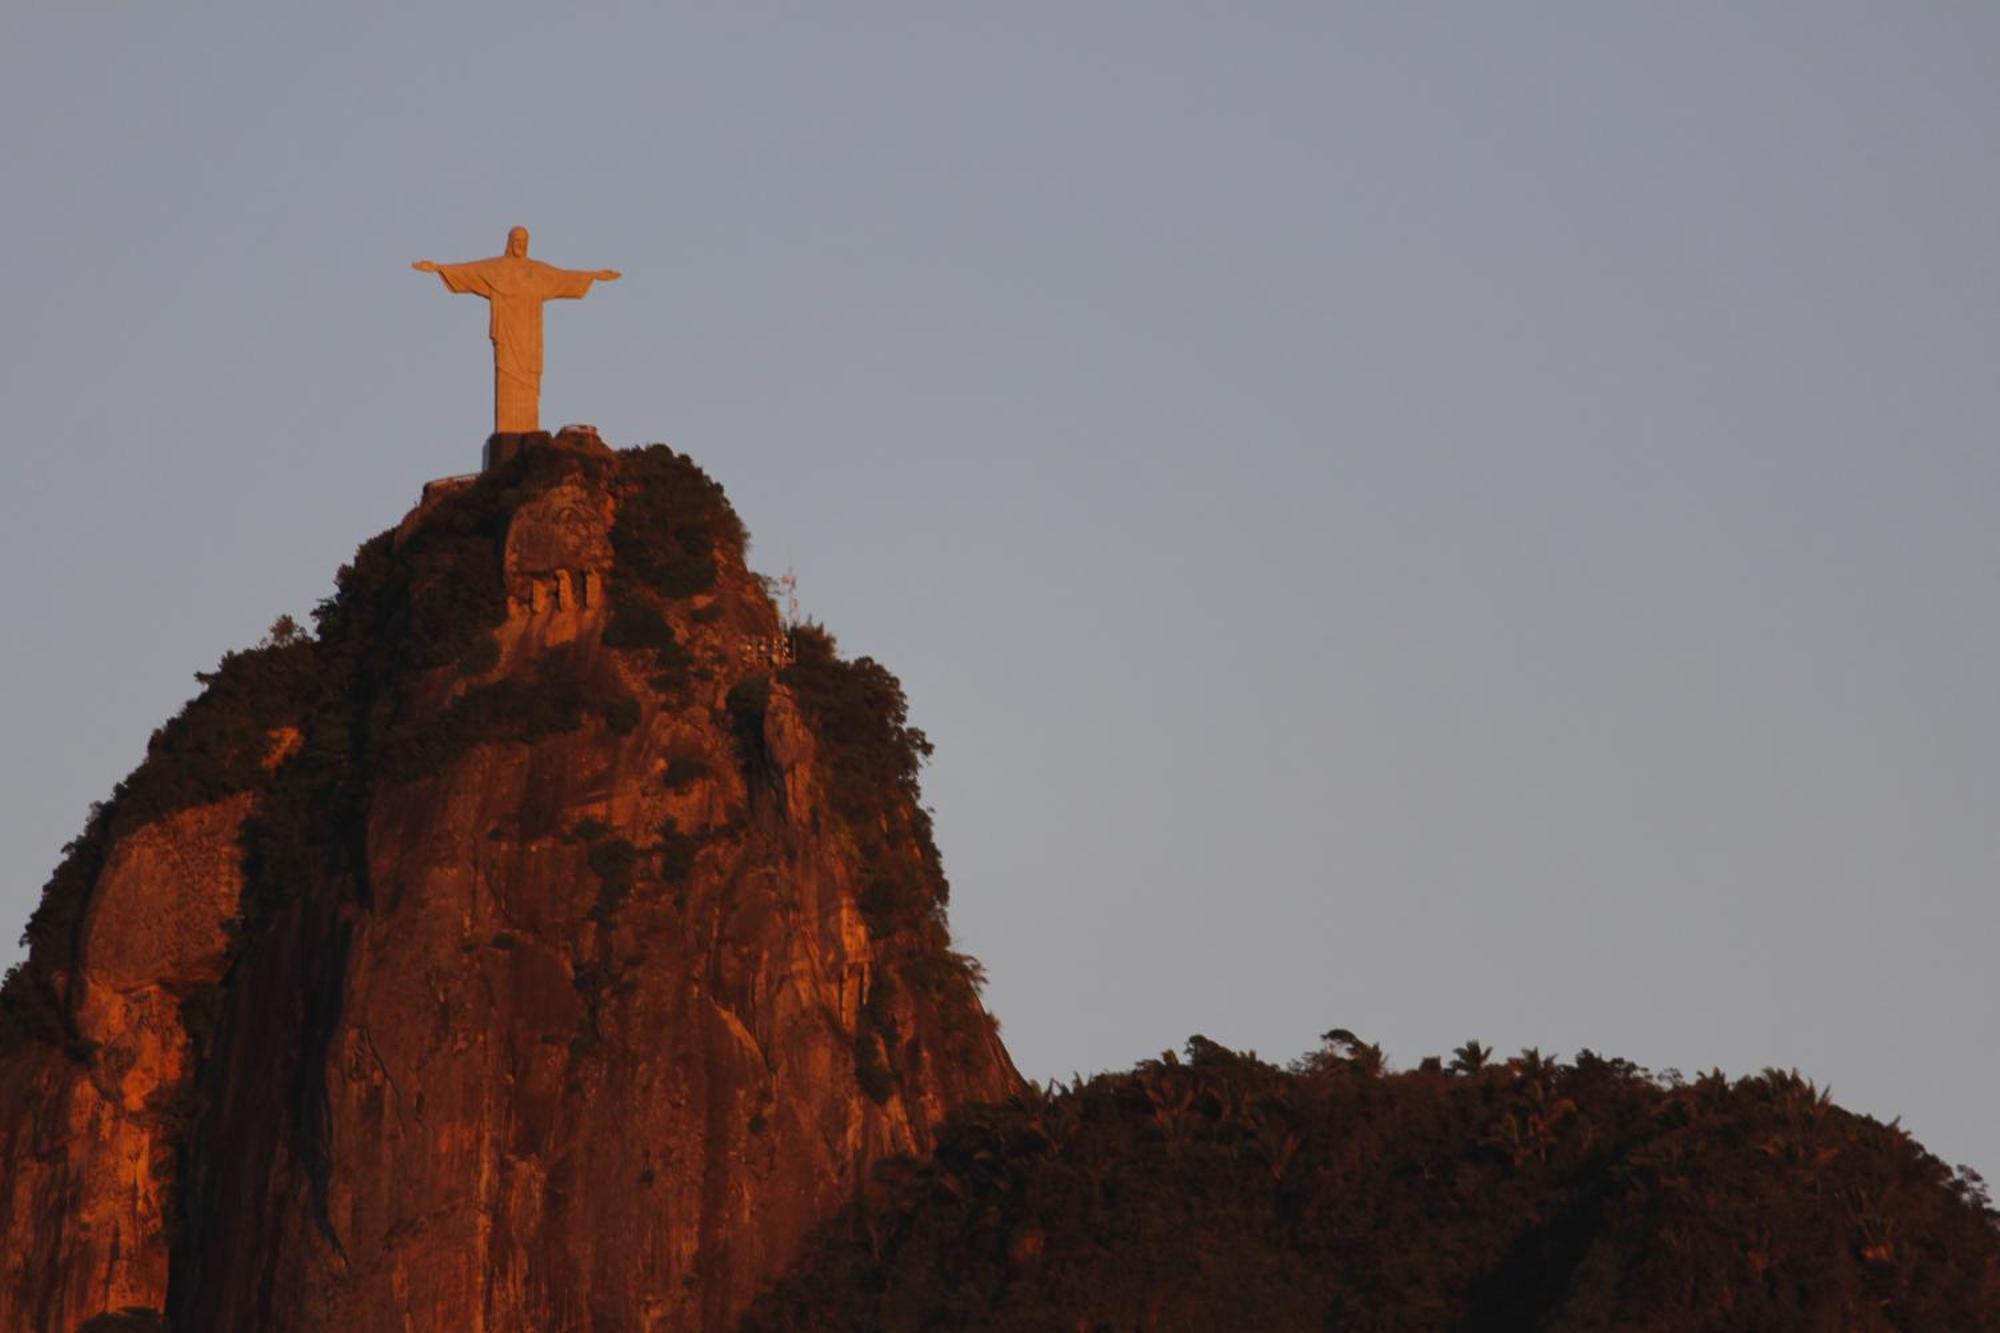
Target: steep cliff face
<point>87,1134</point>
<point>550,944</point>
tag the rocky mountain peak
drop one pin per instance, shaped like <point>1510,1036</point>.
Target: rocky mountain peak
<point>549,941</point>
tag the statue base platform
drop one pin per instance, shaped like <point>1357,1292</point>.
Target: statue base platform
<point>502,447</point>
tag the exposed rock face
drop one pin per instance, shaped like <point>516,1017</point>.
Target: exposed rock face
<point>576,963</point>
<point>86,1148</point>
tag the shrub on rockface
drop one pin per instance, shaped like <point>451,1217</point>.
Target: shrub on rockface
<point>859,715</point>
<point>636,625</point>
<point>674,530</point>
<point>558,698</point>
<point>871,1069</point>
<point>32,1012</point>
<point>219,744</point>
<point>876,1033</point>
<point>452,590</point>
<point>673,523</point>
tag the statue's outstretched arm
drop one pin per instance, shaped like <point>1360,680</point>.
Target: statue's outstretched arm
<point>469,277</point>
<point>567,284</point>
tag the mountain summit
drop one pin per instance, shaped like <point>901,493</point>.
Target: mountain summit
<point>547,942</point>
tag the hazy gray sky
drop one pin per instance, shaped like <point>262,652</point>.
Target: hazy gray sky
<point>1453,521</point>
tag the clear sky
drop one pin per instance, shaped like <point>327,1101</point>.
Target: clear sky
<point>1452,521</point>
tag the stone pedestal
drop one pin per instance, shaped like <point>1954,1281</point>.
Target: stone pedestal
<point>502,446</point>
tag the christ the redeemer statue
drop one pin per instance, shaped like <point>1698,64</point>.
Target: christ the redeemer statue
<point>516,286</point>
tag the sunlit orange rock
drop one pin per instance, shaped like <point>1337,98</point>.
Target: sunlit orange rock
<point>571,1042</point>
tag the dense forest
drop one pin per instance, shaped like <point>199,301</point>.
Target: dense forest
<point>1222,1192</point>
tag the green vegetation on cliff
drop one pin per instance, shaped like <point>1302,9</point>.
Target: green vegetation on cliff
<point>674,524</point>
<point>859,715</point>
<point>404,607</point>
<point>1221,1192</point>
<point>215,747</point>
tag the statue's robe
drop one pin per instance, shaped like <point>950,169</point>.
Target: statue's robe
<point>516,289</point>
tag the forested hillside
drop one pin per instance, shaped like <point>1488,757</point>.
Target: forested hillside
<point>1222,1192</point>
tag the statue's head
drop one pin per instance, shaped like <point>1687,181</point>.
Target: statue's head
<point>517,242</point>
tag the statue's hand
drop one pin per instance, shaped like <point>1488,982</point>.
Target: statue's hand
<point>424,266</point>
<point>608,275</point>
